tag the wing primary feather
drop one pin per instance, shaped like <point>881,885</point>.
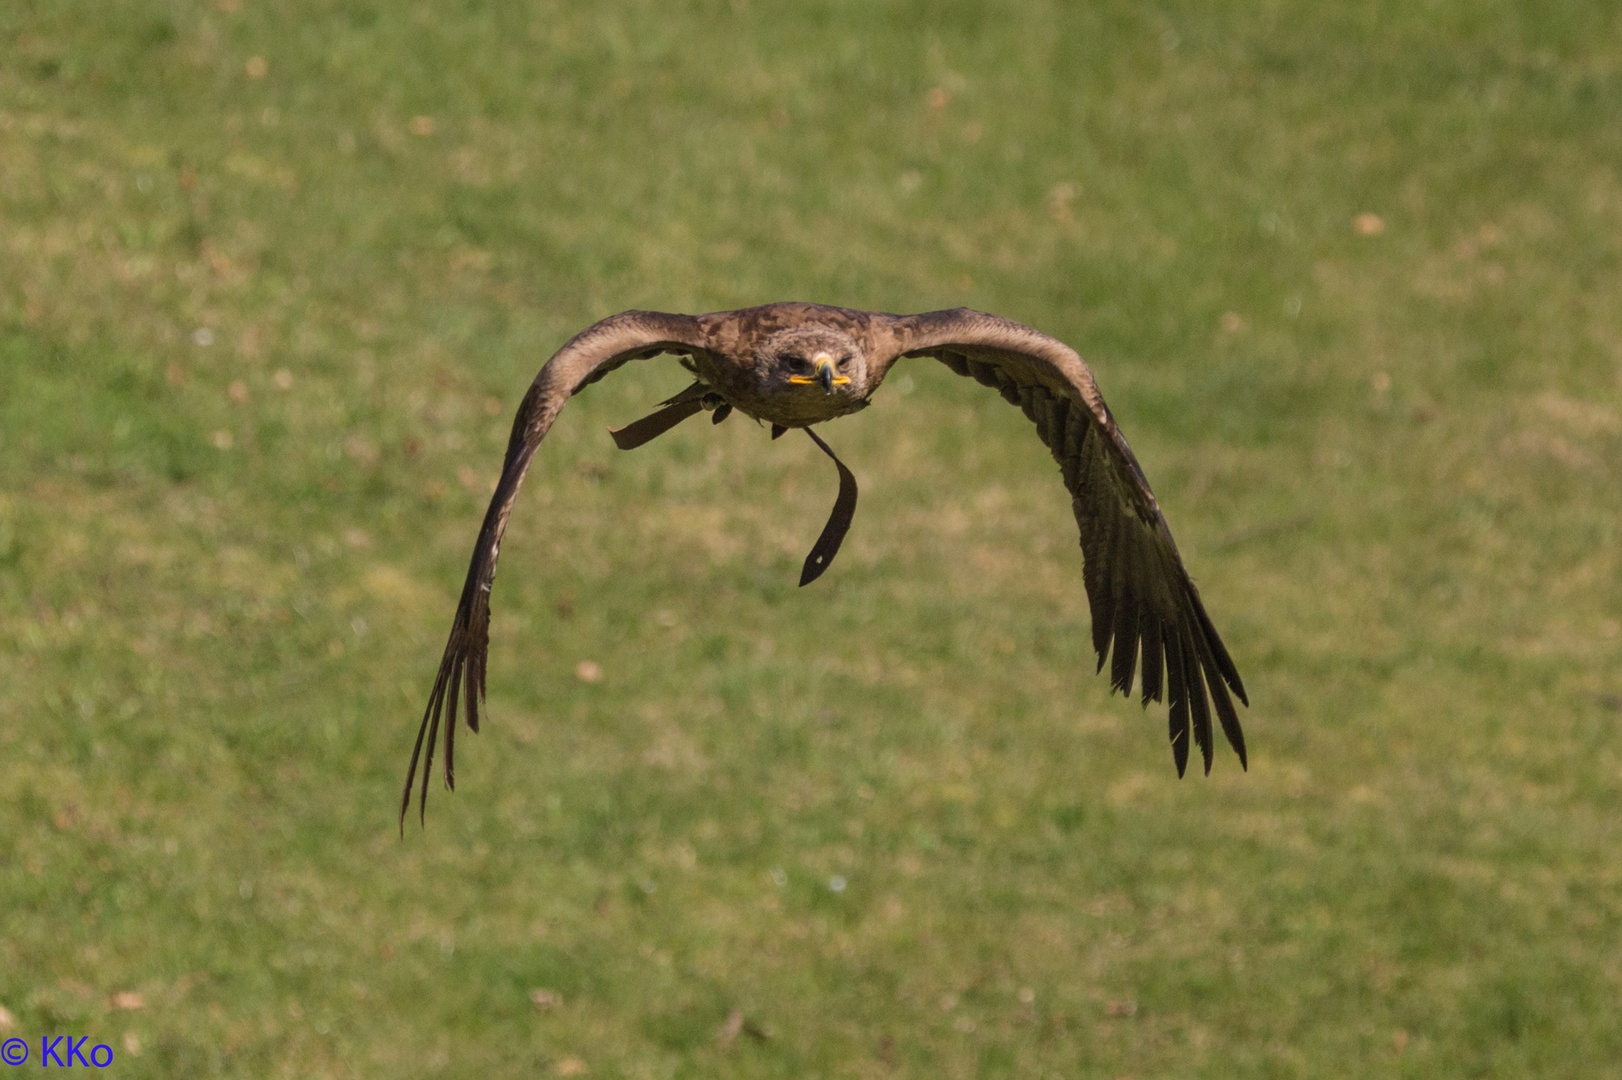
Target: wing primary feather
<point>416,753</point>
<point>475,689</point>
<point>1199,705</point>
<point>1153,656</point>
<point>428,762</point>
<point>450,728</point>
<point>1099,598</point>
<point>1225,712</point>
<point>455,692</point>
<point>450,724</point>
<point>1126,635</point>
<point>1177,715</point>
<point>1219,652</point>
<point>1124,572</point>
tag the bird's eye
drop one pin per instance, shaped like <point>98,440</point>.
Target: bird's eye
<point>798,365</point>
<point>844,362</point>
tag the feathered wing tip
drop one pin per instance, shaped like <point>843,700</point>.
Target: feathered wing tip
<point>461,669</point>
<point>461,676</point>
<point>1148,618</point>
<point>1184,657</point>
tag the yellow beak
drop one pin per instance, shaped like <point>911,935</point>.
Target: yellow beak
<point>825,375</point>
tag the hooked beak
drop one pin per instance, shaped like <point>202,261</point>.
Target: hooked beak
<point>826,375</point>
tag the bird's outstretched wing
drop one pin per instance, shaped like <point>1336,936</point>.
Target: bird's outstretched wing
<point>1139,591</point>
<point>591,354</point>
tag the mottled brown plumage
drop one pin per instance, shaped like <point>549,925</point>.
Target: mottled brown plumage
<point>795,365</point>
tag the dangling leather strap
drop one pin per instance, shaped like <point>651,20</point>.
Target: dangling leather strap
<point>689,402</point>
<point>833,533</point>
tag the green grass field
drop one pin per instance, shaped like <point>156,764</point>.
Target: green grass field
<point>274,276</point>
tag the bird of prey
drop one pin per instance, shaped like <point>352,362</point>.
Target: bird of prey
<point>794,365</point>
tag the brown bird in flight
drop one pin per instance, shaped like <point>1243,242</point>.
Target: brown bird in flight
<point>795,365</point>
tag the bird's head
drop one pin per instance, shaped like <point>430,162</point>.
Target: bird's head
<point>815,359</point>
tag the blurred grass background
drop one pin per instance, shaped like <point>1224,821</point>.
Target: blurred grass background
<point>274,276</point>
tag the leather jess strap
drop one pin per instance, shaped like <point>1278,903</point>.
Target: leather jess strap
<point>656,423</point>
<point>833,533</point>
